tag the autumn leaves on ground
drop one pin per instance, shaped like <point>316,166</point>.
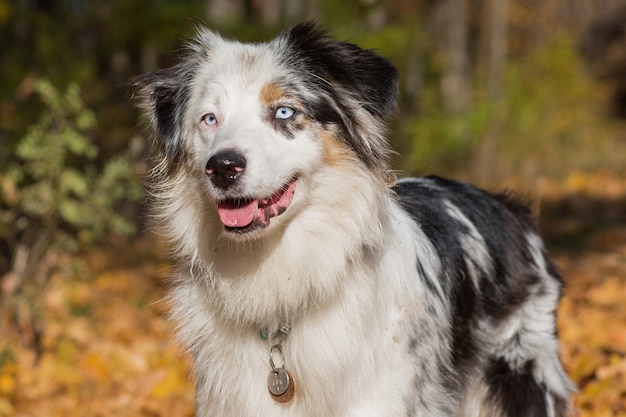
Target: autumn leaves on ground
<point>108,349</point>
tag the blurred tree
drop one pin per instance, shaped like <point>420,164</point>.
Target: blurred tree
<point>54,198</point>
<point>497,50</point>
<point>450,22</point>
<point>86,42</point>
<point>603,46</point>
<point>268,13</point>
<point>224,10</point>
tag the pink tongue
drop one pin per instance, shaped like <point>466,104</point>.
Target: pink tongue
<point>241,213</point>
<point>237,214</point>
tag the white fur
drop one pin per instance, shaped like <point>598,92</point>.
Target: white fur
<point>348,343</point>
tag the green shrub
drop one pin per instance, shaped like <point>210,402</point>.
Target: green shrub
<point>55,195</point>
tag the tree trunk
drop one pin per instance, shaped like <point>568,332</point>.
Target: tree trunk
<point>219,11</point>
<point>451,22</point>
<point>497,49</point>
<point>414,78</point>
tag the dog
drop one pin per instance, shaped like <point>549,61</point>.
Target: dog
<point>310,282</point>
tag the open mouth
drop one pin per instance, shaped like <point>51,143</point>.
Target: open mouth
<point>245,215</point>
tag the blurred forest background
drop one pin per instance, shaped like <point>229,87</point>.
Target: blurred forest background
<point>527,94</point>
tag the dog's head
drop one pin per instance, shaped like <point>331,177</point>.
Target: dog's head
<point>252,122</point>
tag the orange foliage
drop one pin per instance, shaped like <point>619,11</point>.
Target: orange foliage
<point>108,349</point>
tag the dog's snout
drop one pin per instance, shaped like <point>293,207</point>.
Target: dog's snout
<point>224,168</point>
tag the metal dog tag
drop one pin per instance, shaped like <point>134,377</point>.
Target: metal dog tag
<point>281,385</point>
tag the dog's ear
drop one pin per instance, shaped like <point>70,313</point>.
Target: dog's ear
<point>351,87</point>
<point>163,96</point>
<point>372,79</point>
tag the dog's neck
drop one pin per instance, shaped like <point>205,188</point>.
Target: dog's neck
<point>300,266</point>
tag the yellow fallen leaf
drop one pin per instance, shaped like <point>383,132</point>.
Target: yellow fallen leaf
<point>6,408</point>
<point>7,382</point>
<point>174,382</point>
<point>576,181</point>
<point>610,292</point>
<point>94,365</point>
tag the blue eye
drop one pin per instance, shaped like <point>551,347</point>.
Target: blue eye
<point>284,113</point>
<point>209,119</point>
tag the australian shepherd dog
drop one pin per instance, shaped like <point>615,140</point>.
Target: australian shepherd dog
<point>310,282</point>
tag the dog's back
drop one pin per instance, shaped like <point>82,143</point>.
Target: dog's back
<point>502,293</point>
<point>307,285</point>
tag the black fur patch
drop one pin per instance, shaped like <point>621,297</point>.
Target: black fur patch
<point>164,94</point>
<point>502,223</point>
<point>515,391</point>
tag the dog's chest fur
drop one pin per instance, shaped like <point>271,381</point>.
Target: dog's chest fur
<point>359,345</point>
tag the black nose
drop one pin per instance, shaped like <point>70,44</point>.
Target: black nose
<point>224,168</point>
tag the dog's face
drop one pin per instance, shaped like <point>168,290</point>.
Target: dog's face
<point>253,123</point>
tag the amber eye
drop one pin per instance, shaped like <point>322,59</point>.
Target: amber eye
<point>284,113</point>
